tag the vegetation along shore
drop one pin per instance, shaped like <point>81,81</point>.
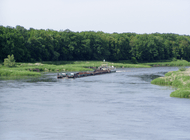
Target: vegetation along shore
<point>35,69</point>
<point>179,79</point>
<point>12,68</point>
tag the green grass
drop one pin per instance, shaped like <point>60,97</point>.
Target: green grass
<point>179,79</point>
<point>87,64</point>
<point>34,69</point>
<point>169,63</point>
<point>16,72</point>
<point>181,93</point>
<point>161,81</point>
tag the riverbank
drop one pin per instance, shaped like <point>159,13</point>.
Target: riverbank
<point>35,69</point>
<point>168,63</point>
<point>179,79</point>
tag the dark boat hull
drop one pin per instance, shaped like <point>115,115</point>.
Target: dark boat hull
<point>84,74</point>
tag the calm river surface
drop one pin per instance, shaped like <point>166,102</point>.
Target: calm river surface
<point>118,106</point>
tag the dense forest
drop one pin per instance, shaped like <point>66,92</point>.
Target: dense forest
<point>49,45</point>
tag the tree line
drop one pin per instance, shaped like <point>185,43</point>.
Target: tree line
<point>49,45</point>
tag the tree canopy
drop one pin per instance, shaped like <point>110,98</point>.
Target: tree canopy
<point>49,45</point>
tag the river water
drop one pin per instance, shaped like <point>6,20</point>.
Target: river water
<point>117,106</point>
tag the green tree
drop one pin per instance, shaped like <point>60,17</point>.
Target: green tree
<point>49,45</point>
<point>10,61</point>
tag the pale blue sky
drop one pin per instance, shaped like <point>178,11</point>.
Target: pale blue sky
<point>139,16</point>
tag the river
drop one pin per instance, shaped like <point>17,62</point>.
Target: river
<point>117,106</point>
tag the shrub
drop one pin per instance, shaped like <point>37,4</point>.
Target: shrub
<point>10,61</point>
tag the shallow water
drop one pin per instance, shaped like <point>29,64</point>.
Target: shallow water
<point>122,105</point>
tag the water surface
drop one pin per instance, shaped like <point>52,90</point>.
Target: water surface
<point>117,106</point>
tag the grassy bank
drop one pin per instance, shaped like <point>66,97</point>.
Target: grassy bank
<point>34,69</point>
<point>17,71</point>
<point>168,63</point>
<point>179,79</point>
<point>87,64</point>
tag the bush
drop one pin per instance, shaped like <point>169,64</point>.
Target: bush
<point>10,61</point>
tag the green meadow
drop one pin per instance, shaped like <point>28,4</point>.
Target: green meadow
<point>179,79</point>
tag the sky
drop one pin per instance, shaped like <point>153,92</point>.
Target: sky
<point>137,16</point>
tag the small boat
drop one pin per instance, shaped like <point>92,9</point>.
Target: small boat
<point>107,68</point>
<point>61,75</point>
<point>71,75</point>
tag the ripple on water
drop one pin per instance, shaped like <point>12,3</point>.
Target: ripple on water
<point>121,105</point>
